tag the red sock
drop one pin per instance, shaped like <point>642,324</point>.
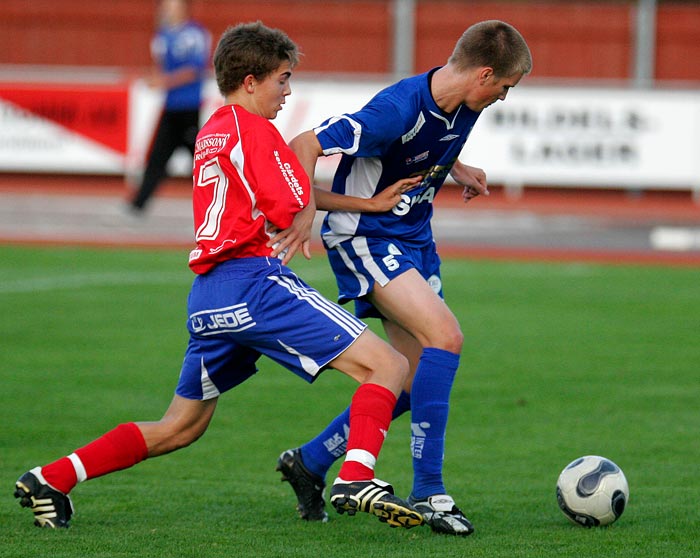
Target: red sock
<point>370,416</point>
<point>118,449</point>
<point>60,474</point>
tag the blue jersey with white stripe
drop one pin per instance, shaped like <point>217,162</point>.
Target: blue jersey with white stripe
<point>186,45</point>
<point>399,133</point>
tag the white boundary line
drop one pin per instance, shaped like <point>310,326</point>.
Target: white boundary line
<point>80,280</point>
<point>77,281</point>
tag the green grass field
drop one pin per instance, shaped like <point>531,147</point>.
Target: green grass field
<point>560,360</point>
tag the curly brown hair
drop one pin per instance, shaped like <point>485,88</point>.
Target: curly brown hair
<point>251,49</point>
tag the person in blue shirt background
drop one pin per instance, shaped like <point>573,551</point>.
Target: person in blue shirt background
<point>180,50</point>
<point>380,245</point>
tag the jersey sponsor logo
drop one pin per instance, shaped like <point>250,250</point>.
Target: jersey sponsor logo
<point>449,137</point>
<point>408,136</point>
<point>209,145</point>
<point>418,158</point>
<point>288,173</point>
<point>407,202</point>
<point>435,174</point>
<point>222,320</point>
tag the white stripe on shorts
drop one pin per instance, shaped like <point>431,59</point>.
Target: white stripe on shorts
<point>361,279</point>
<point>362,250</point>
<point>331,310</point>
<point>307,363</point>
<point>209,390</point>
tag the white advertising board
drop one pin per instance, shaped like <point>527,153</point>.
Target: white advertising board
<point>590,137</point>
<point>552,136</point>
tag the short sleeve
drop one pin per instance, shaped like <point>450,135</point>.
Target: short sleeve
<point>275,176</point>
<point>365,133</point>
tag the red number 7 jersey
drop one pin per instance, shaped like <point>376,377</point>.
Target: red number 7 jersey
<point>247,184</point>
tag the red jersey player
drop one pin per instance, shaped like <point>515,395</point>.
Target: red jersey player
<point>244,303</point>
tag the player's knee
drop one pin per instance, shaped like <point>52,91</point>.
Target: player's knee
<point>449,339</point>
<point>398,365</point>
<point>401,365</point>
<point>453,341</point>
<point>389,369</point>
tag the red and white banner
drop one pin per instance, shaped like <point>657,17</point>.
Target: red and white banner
<point>63,127</point>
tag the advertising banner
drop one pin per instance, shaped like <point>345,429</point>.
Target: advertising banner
<point>63,127</point>
<point>569,136</point>
<point>555,136</point>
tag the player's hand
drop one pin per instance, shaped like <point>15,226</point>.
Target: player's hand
<point>286,243</point>
<point>472,178</point>
<point>155,80</point>
<point>387,199</point>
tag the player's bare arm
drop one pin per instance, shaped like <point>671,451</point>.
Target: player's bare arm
<point>383,201</point>
<point>298,234</point>
<point>170,80</point>
<point>307,149</point>
<point>472,178</point>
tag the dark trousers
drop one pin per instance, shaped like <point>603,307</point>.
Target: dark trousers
<point>175,129</point>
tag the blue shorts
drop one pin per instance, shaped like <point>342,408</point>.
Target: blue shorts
<point>362,261</point>
<point>256,306</point>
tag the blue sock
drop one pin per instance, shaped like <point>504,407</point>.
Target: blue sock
<point>321,452</point>
<point>430,404</point>
<point>403,404</point>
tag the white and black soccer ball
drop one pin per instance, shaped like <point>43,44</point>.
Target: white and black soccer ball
<point>592,491</point>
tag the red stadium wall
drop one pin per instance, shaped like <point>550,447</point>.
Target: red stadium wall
<point>75,32</point>
<point>678,36</point>
<point>569,39</point>
<point>341,36</point>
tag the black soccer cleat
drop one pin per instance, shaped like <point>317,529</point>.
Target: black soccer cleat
<point>307,486</point>
<point>443,516</point>
<point>51,507</point>
<point>375,497</point>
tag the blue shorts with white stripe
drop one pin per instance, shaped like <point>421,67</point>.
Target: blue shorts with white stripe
<point>362,261</point>
<point>256,306</point>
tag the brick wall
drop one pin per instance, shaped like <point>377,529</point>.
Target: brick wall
<point>569,39</point>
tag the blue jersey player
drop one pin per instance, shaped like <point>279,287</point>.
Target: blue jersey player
<point>380,244</point>
<point>180,50</point>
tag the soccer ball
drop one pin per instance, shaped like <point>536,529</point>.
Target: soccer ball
<point>592,491</point>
